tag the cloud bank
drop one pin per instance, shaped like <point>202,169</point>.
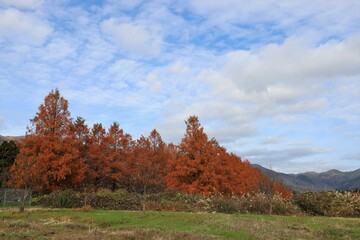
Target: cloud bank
<point>275,82</point>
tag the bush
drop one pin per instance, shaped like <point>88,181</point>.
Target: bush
<point>255,203</point>
<point>102,199</point>
<point>66,199</point>
<point>332,204</point>
<point>117,200</point>
<point>226,205</point>
<point>60,199</point>
<point>176,201</point>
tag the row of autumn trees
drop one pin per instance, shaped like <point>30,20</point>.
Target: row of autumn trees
<point>59,153</point>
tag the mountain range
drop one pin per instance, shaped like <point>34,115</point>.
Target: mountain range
<point>10,138</point>
<point>315,182</point>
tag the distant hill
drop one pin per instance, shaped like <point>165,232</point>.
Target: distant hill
<point>314,182</point>
<point>9,138</point>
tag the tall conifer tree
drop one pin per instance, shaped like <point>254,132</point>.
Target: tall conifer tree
<point>49,158</point>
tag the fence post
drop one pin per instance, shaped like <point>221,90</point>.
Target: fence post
<point>30,197</point>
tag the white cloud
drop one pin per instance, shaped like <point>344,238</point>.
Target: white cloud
<point>299,143</point>
<point>126,72</point>
<point>293,63</point>
<point>229,133</point>
<point>284,80</point>
<point>273,140</point>
<point>2,122</point>
<point>320,19</point>
<point>178,68</point>
<point>251,71</point>
<point>59,50</point>
<point>29,4</point>
<point>283,154</point>
<point>133,37</point>
<point>306,106</point>
<point>20,27</point>
<point>286,118</point>
<point>289,159</point>
<point>287,82</point>
<point>116,5</point>
<point>353,156</point>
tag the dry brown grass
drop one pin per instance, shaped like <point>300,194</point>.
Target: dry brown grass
<point>100,224</point>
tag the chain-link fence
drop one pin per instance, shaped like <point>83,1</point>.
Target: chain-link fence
<point>13,197</point>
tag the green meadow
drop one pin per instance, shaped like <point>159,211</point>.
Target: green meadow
<point>110,224</point>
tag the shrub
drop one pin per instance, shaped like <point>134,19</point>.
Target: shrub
<point>60,199</point>
<point>102,199</point>
<point>332,204</point>
<point>227,205</point>
<point>335,204</point>
<point>66,199</point>
<point>117,200</point>
<point>254,203</point>
<point>176,201</point>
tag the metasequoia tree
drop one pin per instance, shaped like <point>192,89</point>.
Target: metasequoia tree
<point>201,165</point>
<point>83,143</point>
<point>149,164</point>
<point>58,153</point>
<point>159,155</point>
<point>82,134</point>
<point>49,158</point>
<point>119,148</point>
<point>97,167</point>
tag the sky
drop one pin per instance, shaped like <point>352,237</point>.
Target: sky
<point>276,81</point>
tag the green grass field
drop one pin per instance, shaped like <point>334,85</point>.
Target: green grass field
<point>107,224</point>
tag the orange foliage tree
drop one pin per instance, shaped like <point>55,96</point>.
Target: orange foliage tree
<point>202,166</point>
<point>58,153</point>
<point>119,148</point>
<point>97,168</point>
<point>280,189</point>
<point>81,132</point>
<point>149,164</point>
<point>49,158</point>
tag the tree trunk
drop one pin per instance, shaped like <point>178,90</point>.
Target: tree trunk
<point>23,199</point>
<point>144,199</point>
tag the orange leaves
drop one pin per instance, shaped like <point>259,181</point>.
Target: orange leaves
<point>49,158</point>
<point>203,166</point>
<point>118,151</point>
<point>280,189</point>
<point>58,153</point>
<point>149,164</point>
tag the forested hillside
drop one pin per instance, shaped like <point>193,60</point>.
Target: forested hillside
<point>314,182</point>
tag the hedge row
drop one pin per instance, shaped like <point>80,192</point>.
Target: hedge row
<point>335,204</point>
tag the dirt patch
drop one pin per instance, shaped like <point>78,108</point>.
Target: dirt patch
<point>76,227</point>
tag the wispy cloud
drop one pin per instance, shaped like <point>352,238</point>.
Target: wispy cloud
<point>274,73</point>
<point>264,154</point>
<point>133,37</point>
<point>353,156</point>
<point>22,28</point>
<point>273,140</point>
<point>25,4</point>
<point>290,159</point>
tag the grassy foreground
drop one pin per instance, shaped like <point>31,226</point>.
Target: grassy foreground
<point>108,224</point>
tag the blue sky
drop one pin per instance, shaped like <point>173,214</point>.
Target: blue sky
<point>277,82</point>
